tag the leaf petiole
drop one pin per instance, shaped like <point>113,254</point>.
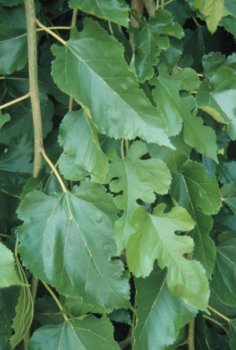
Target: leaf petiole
<point>56,173</point>
<point>218,313</point>
<point>12,102</point>
<point>49,31</point>
<point>55,299</point>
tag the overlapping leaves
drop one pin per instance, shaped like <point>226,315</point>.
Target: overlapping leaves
<point>136,179</point>
<point>96,75</point>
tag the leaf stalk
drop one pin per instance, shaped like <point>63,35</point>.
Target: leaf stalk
<point>16,100</point>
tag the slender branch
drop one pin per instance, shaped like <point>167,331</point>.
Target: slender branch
<point>165,4</point>
<point>16,100</point>
<point>122,149</point>
<point>54,28</point>
<point>218,313</point>
<point>49,31</point>
<point>64,189</point>
<point>150,7</point>
<point>33,83</point>
<point>73,25</point>
<point>56,300</point>
<point>214,321</point>
<point>4,235</point>
<point>191,326</point>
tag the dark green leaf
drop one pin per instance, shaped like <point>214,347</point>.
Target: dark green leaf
<point>200,195</point>
<point>232,334</point>
<point>79,139</point>
<point>224,276</point>
<point>65,251</point>
<point>4,118</point>
<point>160,314</point>
<point>117,11</point>
<point>80,334</point>
<point>96,75</point>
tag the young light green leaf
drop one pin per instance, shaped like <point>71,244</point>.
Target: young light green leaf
<point>160,314</point>
<point>116,11</point>
<point>223,281</point>
<point>151,38</point>
<point>8,276</point>
<point>96,75</point>
<point>136,179</point>
<point>24,310</point>
<point>80,334</point>
<point>68,242</point>
<point>79,139</point>
<point>155,238</point>
<point>199,194</point>
<point>213,10</point>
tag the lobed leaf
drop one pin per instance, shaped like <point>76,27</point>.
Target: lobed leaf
<point>155,239</point>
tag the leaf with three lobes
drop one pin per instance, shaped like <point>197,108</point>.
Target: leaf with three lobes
<point>223,281</point>
<point>216,96</point>
<point>24,310</point>
<point>160,314</point>
<point>136,179</point>
<point>92,69</point>
<point>199,194</point>
<point>67,241</point>
<point>79,139</point>
<point>155,238</point>
<point>8,276</point>
<point>116,11</point>
<point>178,111</point>
<point>151,38</point>
<point>79,334</point>
<point>213,10</point>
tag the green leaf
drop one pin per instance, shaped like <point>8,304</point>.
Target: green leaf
<point>96,75</point>
<point>213,10</point>
<point>4,118</point>
<point>217,97</point>
<point>16,165</point>
<point>24,310</point>
<point>13,54</point>
<point>199,194</point>
<point>79,139</point>
<point>67,241</point>
<point>232,334</point>
<point>9,276</point>
<point>223,281</point>
<point>160,314</point>
<point>8,300</point>
<point>11,2</point>
<point>116,11</point>
<point>136,179</point>
<point>79,334</point>
<point>21,119</point>
<point>179,110</point>
<point>151,38</point>
<point>155,239</point>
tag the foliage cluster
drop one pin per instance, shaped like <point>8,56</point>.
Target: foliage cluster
<point>125,235</point>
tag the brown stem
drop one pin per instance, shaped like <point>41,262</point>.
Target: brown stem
<point>191,326</point>
<point>33,84</point>
<point>150,7</point>
<point>136,5</point>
